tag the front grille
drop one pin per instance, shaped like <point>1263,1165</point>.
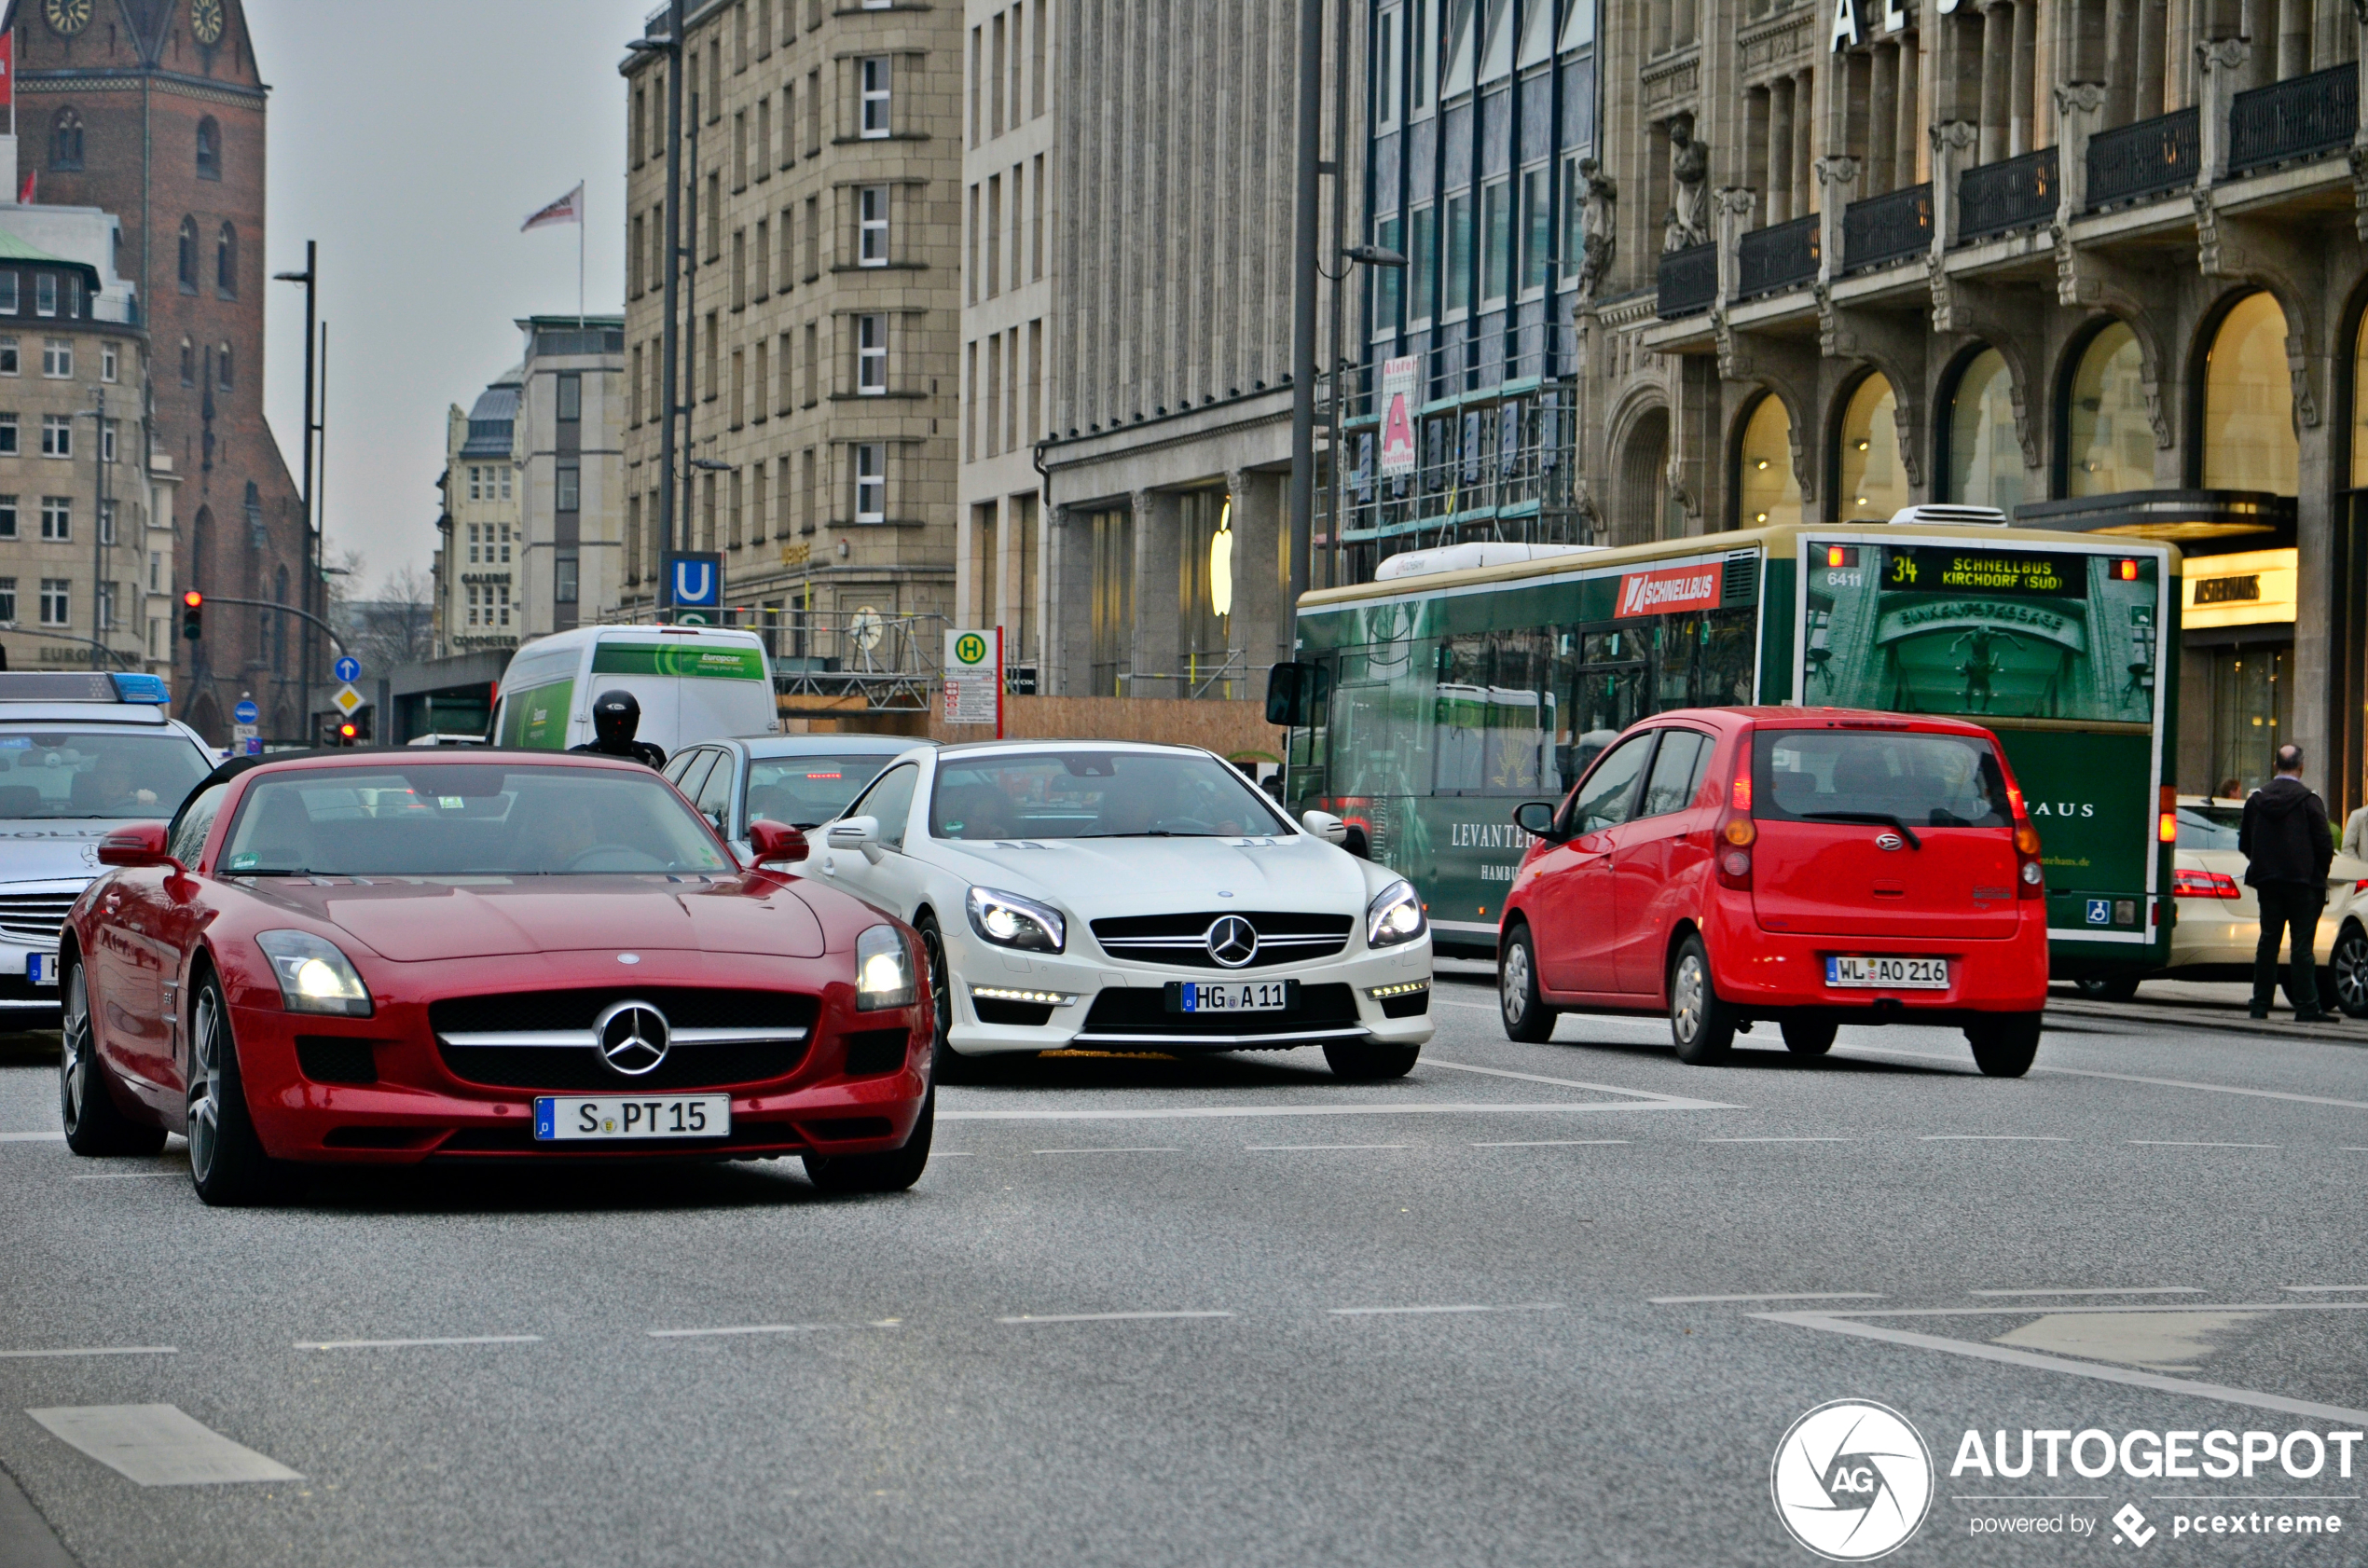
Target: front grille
<point>34,918</point>
<point>1141,1011</point>
<point>561,1070</point>
<point>1284,937</point>
<point>685,1007</point>
<point>565,1069</point>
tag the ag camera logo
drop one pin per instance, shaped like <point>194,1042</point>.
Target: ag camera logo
<point>1853,1480</point>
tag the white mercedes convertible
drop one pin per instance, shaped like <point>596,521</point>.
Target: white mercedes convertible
<point>1111,895</point>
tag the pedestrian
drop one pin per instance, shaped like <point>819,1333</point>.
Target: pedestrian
<point>2287,850</point>
<point>2355,839</point>
<point>615,717</point>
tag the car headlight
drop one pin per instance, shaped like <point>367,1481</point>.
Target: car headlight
<point>1395,915</point>
<point>314,976</point>
<point>1007,920</point>
<point>883,970</point>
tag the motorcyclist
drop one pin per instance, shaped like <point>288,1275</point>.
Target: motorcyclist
<point>615,715</point>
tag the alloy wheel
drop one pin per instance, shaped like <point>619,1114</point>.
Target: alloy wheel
<point>941,992</point>
<point>1685,997</point>
<point>205,1084</point>
<point>2349,961</point>
<point>1513,982</point>
<point>74,1058</point>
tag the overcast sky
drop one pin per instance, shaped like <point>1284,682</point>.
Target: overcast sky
<point>411,141</point>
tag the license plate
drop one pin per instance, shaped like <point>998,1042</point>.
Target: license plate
<point>1230,995</point>
<point>1889,974</point>
<point>603,1118</point>
<point>41,969</point>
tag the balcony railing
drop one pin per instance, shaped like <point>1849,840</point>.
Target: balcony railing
<point>2001,198</point>
<point>2304,116</point>
<point>1782,256</point>
<point>2133,162</point>
<point>1884,228</point>
<point>1689,281</point>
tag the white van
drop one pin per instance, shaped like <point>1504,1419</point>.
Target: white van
<point>694,684</point>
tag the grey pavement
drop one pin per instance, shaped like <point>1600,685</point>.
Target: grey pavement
<point>1159,1312</point>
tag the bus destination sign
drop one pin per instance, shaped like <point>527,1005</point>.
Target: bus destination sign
<point>1942,569</point>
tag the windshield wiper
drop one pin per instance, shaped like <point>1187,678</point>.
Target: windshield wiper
<point>1881,817</point>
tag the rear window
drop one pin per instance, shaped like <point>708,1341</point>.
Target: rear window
<point>1877,776</point>
<point>2207,828</point>
<point>808,792</point>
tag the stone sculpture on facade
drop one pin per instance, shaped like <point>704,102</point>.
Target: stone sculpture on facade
<point>1688,223</point>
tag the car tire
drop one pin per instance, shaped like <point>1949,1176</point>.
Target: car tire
<point>96,1125</point>
<point>227,1163</point>
<point>946,1065</point>
<point>2347,966</point>
<point>2107,987</point>
<point>1701,1025</point>
<point>1526,1016</point>
<point>1809,1037</point>
<point>892,1172</point>
<point>2004,1046</point>
<point>1366,1061</point>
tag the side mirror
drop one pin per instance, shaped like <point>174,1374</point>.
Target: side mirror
<point>769,841</point>
<point>1292,692</point>
<point>1535,818</point>
<point>143,844</point>
<point>1326,826</point>
<point>861,834</point>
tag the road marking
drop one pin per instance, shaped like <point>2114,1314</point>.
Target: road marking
<point>128,1175</point>
<point>1148,1149</point>
<point>749,1328</point>
<point>159,1445</point>
<point>89,1350</point>
<point>2098,1290</point>
<point>1780,1140</point>
<point>1987,1137</point>
<point>1410,1108</point>
<point>2169,1143</point>
<point>1837,1323</point>
<point>32,1137</point>
<point>1552,1143</point>
<point>406,1344</point>
<point>1793,1295</point>
<point>1673,1101</point>
<point>2133,1078</point>
<point>1315,1148</point>
<point>2030,1497</point>
<point>1103,1317</point>
<point>2317,1289</point>
<point>1399,1312</point>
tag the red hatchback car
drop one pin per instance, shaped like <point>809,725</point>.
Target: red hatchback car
<point>381,958</point>
<point>1811,866</point>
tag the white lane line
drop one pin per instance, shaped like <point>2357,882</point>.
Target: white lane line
<point>2097,1290</point>
<point>32,1137</point>
<point>1830,1323</point>
<point>89,1350</point>
<point>159,1445</point>
<point>1315,1148</point>
<point>1987,1137</point>
<point>2321,1289</point>
<point>1410,1312</point>
<point>1153,1148</point>
<point>1318,1109</point>
<point>746,1329</point>
<point>2133,1078</point>
<point>128,1175</point>
<point>1780,1140</point>
<point>1793,1295</point>
<point>1104,1317</point>
<point>1675,1102</point>
<point>2171,1143</point>
<point>1552,1143</point>
<point>407,1344</point>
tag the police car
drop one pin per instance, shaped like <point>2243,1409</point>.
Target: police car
<point>79,753</point>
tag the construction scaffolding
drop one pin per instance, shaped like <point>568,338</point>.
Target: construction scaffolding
<point>826,661</point>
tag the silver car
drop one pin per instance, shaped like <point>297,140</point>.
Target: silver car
<point>800,780</point>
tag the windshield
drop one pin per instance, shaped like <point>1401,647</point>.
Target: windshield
<point>1864,775</point>
<point>1096,795</point>
<point>2209,827</point>
<point>808,792</point>
<point>466,821</point>
<point>97,773</point>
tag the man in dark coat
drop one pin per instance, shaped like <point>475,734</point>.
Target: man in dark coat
<point>2287,849</point>
<point>615,719</point>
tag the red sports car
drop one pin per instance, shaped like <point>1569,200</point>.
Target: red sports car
<point>386,959</point>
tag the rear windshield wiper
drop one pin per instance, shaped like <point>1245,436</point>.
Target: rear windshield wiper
<point>1882,818</point>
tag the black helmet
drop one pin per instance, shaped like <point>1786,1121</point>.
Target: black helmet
<point>615,718</point>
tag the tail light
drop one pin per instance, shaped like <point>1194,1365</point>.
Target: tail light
<point>2204,884</point>
<point>2031,881</point>
<point>1737,832</point>
<point>2166,822</point>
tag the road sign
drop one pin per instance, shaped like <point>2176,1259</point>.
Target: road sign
<point>695,588</point>
<point>349,669</point>
<point>247,713</point>
<point>973,676</point>
<point>246,742</point>
<point>346,701</point>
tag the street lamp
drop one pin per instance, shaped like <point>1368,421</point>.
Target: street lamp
<point>1356,255</point>
<point>311,279</point>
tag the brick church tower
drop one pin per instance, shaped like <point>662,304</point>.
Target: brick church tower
<point>154,111</point>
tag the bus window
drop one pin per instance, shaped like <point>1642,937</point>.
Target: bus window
<point>1381,720</point>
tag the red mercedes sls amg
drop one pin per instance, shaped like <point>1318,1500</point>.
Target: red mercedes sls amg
<point>382,958</point>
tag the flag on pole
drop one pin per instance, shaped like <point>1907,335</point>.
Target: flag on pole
<point>8,69</point>
<point>24,192</point>
<point>567,208</point>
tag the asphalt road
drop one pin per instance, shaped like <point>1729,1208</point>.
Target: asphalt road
<point>1230,1313</point>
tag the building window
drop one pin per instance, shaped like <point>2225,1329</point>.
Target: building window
<point>107,442</point>
<point>563,579</point>
<point>57,518</point>
<point>1388,282</point>
<point>566,486</point>
<point>506,495</point>
<point>209,149</point>
<point>222,376</point>
<point>1418,57</point>
<point>45,293</point>
<point>65,140</point>
<point>57,435</point>
<point>2109,439</point>
<point>1422,265</point>
<point>8,293</point>
<point>871,483</point>
<point>8,435</point>
<point>872,220</point>
<point>874,75</point>
<point>1766,493</point>
<point>110,362</point>
<point>7,601</point>
<point>1538,229</point>
<point>7,527</point>
<point>1870,483</point>
<point>57,601</point>
<point>871,355</point>
<point>476,488</point>
<point>1496,240</point>
<point>569,394</point>
<point>473,544</point>
<point>57,358</point>
<point>107,530</point>
<point>225,263</point>
<point>189,257</point>
<point>1457,284</point>
<point>1386,71</point>
<point>188,363</point>
<point>501,592</point>
<point>2248,402</point>
<point>1983,464</point>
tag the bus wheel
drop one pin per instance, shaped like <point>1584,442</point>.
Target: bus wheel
<point>2004,1046</point>
<point>2107,987</point>
<point>1526,1017</point>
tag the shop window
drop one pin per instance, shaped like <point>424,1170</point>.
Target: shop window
<point>2109,439</point>
<point>1983,464</point>
<point>1870,482</point>
<point>2248,402</point>
<point>1767,491</point>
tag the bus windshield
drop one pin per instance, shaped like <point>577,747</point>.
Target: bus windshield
<point>1980,632</point>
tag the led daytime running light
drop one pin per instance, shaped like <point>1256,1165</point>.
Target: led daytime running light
<point>1403,988</point>
<point>1007,994</point>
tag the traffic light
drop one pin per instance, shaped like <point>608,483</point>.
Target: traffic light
<point>193,614</point>
<point>348,732</point>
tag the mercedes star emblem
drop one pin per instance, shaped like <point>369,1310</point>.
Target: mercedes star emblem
<point>631,1037</point>
<point>1232,940</point>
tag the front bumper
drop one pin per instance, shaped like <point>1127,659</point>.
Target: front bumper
<point>1770,974</point>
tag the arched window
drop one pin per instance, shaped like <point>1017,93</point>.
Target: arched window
<point>2248,402</point>
<point>223,378</point>
<point>280,627</point>
<point>1766,493</point>
<point>188,363</point>
<point>65,138</point>
<point>188,256</point>
<point>209,149</point>
<point>2109,438</point>
<point>225,263</point>
<point>1869,481</point>
<point>2359,406</point>
<point>1983,464</point>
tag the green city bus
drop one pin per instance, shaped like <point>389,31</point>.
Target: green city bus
<point>1428,706</point>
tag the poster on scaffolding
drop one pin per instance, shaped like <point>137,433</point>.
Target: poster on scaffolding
<point>1398,417</point>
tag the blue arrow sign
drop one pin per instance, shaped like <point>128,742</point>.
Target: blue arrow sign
<point>349,669</point>
<point>247,712</point>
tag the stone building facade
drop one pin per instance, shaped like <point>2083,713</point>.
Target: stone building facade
<point>571,427</point>
<point>2097,263</point>
<point>822,172</point>
<point>481,535</point>
<point>153,110</point>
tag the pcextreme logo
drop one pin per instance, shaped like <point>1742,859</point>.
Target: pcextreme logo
<point>1852,1479</point>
